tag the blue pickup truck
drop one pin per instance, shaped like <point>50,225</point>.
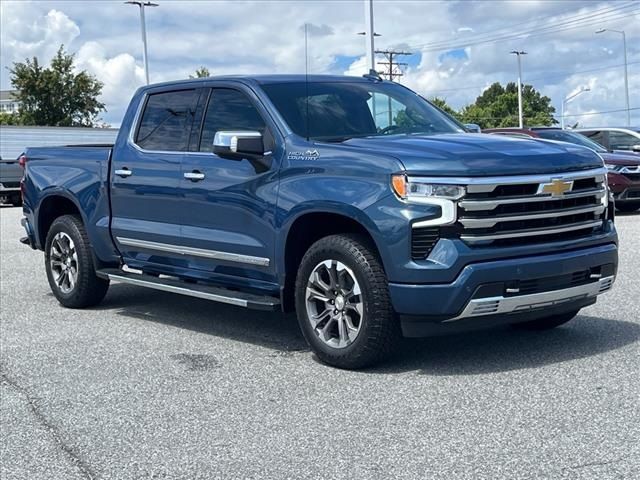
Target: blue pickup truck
<point>353,201</point>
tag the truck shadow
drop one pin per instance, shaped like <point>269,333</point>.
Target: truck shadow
<point>505,349</point>
<point>473,353</point>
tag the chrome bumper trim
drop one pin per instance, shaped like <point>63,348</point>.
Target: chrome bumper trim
<point>503,305</point>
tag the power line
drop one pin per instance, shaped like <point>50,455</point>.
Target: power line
<point>509,29</point>
<point>544,77</point>
<point>580,22</point>
<point>601,113</point>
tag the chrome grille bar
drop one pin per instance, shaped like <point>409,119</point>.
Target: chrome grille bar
<point>491,221</point>
<point>482,238</point>
<point>492,204</point>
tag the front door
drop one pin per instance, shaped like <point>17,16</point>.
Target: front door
<point>146,178</point>
<point>229,205</point>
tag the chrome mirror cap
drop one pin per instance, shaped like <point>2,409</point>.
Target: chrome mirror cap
<point>228,139</point>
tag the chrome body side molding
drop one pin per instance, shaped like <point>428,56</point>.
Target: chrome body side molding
<point>196,252</point>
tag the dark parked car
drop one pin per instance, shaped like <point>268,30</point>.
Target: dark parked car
<point>10,175</point>
<point>626,139</point>
<point>624,168</point>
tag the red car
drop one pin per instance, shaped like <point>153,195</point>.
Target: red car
<point>624,169</point>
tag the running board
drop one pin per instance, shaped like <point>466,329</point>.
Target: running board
<point>173,285</point>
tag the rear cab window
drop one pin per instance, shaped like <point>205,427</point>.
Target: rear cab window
<point>166,120</point>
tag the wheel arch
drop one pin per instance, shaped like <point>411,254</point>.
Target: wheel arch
<point>51,207</point>
<point>309,226</point>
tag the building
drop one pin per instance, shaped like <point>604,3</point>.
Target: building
<point>8,104</point>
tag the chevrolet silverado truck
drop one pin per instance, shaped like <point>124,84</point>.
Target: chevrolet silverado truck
<point>352,201</point>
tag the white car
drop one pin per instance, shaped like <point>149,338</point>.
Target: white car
<point>614,138</point>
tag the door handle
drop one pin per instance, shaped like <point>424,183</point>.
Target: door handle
<point>124,172</point>
<point>194,176</point>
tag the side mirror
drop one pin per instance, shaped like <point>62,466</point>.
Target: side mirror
<point>472,127</point>
<point>239,144</point>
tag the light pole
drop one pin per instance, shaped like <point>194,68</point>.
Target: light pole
<point>519,54</point>
<point>143,27</point>
<point>626,72</point>
<point>568,99</point>
<point>369,34</point>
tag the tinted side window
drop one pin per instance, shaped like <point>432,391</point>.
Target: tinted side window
<point>229,110</point>
<point>622,141</point>
<point>166,121</point>
<point>596,135</point>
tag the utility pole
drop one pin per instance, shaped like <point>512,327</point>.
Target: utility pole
<point>392,71</point>
<point>143,28</point>
<point>519,54</point>
<point>390,65</point>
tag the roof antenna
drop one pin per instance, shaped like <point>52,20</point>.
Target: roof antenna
<point>306,78</point>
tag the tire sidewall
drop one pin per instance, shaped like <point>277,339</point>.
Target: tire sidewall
<point>313,257</point>
<point>65,225</point>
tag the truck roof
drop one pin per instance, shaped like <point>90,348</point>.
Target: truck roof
<point>264,79</point>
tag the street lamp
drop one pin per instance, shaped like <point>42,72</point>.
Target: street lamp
<point>369,34</point>
<point>568,99</point>
<point>142,4</point>
<point>519,54</point>
<point>626,72</point>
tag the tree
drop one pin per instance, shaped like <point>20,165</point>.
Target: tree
<point>498,107</point>
<point>56,95</point>
<point>441,103</point>
<point>7,118</point>
<point>202,72</point>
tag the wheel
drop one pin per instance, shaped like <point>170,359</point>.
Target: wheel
<point>546,323</point>
<point>69,264</point>
<point>343,305</point>
<point>627,207</point>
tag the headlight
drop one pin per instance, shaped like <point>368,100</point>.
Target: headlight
<point>418,192</point>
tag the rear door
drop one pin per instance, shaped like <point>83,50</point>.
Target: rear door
<point>146,176</point>
<point>229,209</point>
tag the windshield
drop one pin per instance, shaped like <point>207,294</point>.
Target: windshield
<point>571,137</point>
<point>338,111</point>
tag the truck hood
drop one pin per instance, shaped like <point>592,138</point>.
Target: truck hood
<point>479,154</point>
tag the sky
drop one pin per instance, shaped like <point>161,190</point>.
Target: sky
<point>458,48</point>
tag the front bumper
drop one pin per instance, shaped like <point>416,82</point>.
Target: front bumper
<point>502,290</point>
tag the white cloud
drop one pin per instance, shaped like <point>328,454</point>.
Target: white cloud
<point>266,37</point>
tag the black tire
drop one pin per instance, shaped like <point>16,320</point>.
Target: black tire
<point>379,329</point>
<point>546,323</point>
<point>88,289</point>
<point>627,207</point>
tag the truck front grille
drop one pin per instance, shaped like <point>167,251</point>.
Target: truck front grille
<point>523,210</point>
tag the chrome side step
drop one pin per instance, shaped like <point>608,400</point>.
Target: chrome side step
<point>207,292</point>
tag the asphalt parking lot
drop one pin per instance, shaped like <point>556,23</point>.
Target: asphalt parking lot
<point>152,385</point>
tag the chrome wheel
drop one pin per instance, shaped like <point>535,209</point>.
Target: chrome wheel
<point>63,260</point>
<point>334,303</point>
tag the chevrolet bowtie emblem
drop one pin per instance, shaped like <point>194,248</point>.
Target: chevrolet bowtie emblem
<point>556,188</point>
